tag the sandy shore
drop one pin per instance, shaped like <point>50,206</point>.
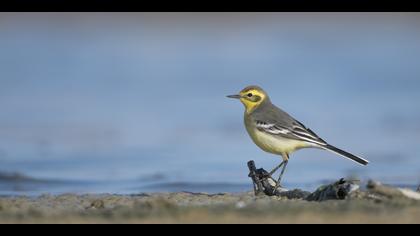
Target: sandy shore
<point>204,208</point>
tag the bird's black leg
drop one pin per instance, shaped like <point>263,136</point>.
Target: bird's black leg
<point>275,169</point>
<point>281,174</point>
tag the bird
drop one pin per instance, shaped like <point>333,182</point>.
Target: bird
<point>276,132</point>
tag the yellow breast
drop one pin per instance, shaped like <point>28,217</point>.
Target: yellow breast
<point>273,143</point>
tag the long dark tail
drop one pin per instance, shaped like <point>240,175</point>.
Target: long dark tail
<point>345,154</point>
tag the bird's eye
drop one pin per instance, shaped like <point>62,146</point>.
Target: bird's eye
<point>249,94</point>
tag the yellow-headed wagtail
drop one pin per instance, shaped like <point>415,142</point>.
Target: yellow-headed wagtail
<point>275,131</point>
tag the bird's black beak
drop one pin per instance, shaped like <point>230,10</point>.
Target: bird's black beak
<point>236,96</point>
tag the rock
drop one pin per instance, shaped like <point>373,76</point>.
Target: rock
<point>391,192</point>
<point>336,191</point>
<point>410,193</point>
<point>97,204</point>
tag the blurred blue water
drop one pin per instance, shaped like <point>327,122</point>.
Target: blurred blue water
<point>122,98</point>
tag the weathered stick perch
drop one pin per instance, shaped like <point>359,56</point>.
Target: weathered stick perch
<point>265,184</point>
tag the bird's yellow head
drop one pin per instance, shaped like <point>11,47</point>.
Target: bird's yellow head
<point>251,97</point>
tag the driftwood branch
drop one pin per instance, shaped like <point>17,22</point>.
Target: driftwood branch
<point>265,184</point>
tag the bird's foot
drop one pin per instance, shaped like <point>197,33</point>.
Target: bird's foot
<point>267,175</point>
<point>277,187</point>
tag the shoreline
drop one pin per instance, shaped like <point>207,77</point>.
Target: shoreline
<point>186,207</point>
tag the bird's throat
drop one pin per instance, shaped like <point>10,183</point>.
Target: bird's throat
<point>249,105</point>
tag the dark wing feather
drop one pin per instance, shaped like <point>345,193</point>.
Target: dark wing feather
<point>277,122</point>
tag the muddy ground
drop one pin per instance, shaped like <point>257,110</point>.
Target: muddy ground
<point>359,207</point>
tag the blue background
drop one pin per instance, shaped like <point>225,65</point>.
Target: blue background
<point>113,102</point>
